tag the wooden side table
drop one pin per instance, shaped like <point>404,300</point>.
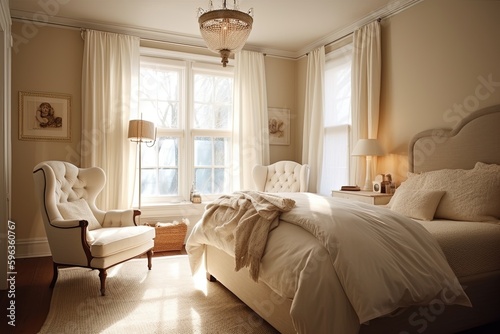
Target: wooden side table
<point>363,196</point>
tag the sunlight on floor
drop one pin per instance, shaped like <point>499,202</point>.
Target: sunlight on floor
<point>113,271</point>
<point>195,319</point>
<point>200,281</point>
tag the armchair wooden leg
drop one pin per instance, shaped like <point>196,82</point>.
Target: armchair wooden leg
<point>102,276</point>
<point>54,275</point>
<point>150,255</point>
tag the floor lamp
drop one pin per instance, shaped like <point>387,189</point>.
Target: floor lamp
<point>368,148</point>
<point>141,131</point>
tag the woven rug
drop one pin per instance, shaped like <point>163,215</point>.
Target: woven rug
<point>166,299</point>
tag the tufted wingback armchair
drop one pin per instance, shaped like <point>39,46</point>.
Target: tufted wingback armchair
<point>79,234</point>
<point>282,176</point>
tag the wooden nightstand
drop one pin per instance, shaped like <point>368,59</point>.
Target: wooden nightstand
<point>363,196</point>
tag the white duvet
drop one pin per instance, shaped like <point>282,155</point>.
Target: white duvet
<point>344,263</point>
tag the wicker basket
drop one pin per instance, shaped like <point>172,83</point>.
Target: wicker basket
<point>170,236</point>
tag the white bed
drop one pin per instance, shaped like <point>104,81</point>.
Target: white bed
<point>472,250</point>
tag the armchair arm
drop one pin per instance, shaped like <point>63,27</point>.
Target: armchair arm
<point>67,223</point>
<point>65,232</point>
<point>118,218</point>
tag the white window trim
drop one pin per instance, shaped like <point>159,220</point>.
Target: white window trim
<point>182,56</point>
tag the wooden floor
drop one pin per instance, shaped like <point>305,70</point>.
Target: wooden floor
<point>33,294</point>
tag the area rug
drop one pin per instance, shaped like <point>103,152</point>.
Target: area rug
<point>166,299</point>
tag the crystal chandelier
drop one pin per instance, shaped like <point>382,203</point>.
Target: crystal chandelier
<point>225,30</point>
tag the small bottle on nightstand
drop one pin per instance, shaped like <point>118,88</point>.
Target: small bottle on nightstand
<point>386,184</point>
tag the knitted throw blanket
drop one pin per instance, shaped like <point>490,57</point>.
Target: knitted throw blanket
<point>247,217</point>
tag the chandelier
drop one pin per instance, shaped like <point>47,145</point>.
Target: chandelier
<point>225,30</point>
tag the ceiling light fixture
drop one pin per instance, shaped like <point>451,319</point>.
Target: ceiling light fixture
<point>225,30</point>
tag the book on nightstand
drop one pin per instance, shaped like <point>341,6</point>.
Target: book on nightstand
<point>350,188</point>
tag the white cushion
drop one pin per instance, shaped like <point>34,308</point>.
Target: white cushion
<point>118,218</point>
<point>80,210</point>
<point>418,204</point>
<point>470,195</point>
<point>113,240</point>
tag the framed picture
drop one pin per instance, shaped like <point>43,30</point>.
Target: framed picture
<point>279,126</point>
<point>44,116</point>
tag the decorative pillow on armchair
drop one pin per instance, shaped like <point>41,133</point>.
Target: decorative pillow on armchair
<point>80,210</point>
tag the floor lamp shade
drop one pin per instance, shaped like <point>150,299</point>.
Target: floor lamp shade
<point>141,131</point>
<point>368,148</point>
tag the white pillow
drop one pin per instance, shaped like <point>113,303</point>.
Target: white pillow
<point>470,194</point>
<point>80,210</point>
<point>418,204</point>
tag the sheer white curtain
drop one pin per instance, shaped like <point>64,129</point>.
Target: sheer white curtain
<point>109,78</point>
<point>366,71</point>
<point>250,121</point>
<point>337,120</point>
<point>312,144</point>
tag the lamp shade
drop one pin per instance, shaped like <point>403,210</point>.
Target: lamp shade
<point>367,147</point>
<point>141,131</point>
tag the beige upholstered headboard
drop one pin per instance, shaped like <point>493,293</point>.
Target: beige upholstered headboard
<point>476,137</point>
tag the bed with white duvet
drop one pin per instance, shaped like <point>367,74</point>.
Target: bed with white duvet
<point>428,262</point>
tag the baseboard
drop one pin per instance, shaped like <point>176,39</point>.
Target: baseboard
<point>36,247</point>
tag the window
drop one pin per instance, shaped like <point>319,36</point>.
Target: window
<point>337,120</point>
<point>191,105</point>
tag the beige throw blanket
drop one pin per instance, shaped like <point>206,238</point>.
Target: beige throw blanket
<point>247,217</point>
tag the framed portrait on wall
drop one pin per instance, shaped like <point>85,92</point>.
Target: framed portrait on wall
<point>279,126</point>
<point>44,116</point>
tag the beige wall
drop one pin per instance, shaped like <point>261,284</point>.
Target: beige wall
<point>436,57</point>
<point>44,59</point>
<point>280,82</point>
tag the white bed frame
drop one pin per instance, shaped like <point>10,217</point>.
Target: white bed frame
<point>474,138</point>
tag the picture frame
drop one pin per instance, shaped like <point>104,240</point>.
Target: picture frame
<point>44,116</point>
<point>279,126</point>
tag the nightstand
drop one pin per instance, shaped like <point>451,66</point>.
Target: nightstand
<point>363,196</point>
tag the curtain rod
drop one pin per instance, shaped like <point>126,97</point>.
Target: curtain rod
<point>339,39</point>
<point>82,31</point>
<point>346,35</point>
<point>151,40</point>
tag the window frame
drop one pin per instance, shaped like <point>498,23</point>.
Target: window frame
<point>335,56</point>
<point>188,65</point>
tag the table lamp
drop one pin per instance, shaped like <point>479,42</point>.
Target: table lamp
<point>368,148</point>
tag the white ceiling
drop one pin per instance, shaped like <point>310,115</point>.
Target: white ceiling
<point>286,28</point>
